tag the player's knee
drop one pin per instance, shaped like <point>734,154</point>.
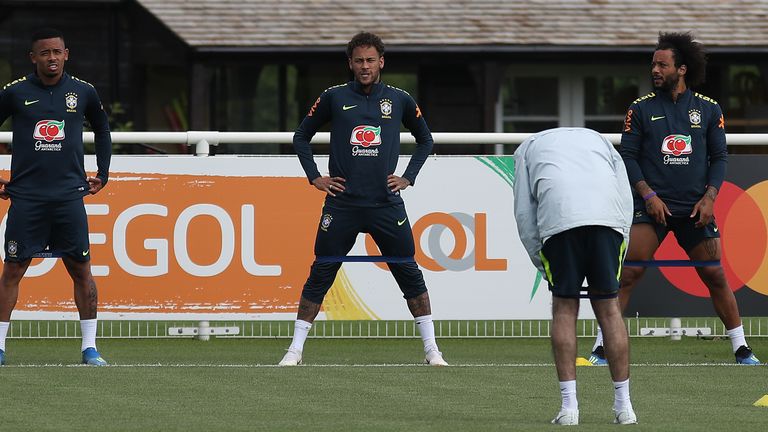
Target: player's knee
<point>82,276</point>
<point>630,276</point>
<point>597,295</point>
<point>409,278</point>
<point>413,291</point>
<point>11,276</point>
<point>321,277</point>
<point>314,293</point>
<point>713,277</point>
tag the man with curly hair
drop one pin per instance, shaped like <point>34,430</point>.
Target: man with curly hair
<point>674,148</point>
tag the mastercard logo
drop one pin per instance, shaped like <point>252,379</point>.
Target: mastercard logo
<point>742,217</point>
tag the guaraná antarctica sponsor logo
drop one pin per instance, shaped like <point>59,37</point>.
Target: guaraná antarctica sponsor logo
<point>365,136</point>
<point>48,131</point>
<point>674,146</point>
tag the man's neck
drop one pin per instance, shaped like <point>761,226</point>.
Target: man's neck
<point>50,81</point>
<point>678,90</point>
<point>367,89</point>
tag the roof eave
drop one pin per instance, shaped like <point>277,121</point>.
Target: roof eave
<point>464,49</point>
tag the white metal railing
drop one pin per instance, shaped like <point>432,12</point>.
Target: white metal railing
<point>203,140</point>
<point>707,327</point>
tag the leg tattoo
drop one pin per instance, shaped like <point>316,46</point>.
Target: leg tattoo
<point>419,306</point>
<point>93,299</point>
<point>307,310</point>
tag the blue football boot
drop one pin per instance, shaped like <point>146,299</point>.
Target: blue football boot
<point>598,357</point>
<point>92,357</point>
<point>745,356</point>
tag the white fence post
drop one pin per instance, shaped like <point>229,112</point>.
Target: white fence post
<point>203,333</point>
<point>203,140</point>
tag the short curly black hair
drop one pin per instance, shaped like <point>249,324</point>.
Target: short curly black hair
<point>46,33</point>
<point>364,39</point>
<point>686,52</point>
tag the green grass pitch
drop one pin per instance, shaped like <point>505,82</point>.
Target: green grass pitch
<point>367,385</point>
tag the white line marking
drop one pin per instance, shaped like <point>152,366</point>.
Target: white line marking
<point>362,366</point>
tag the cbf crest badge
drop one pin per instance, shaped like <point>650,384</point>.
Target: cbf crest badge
<point>386,108</point>
<point>325,222</point>
<point>13,248</point>
<point>695,116</point>
<point>71,100</point>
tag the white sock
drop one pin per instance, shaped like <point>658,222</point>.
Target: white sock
<point>88,328</point>
<point>300,331</point>
<point>736,335</point>
<point>3,333</point>
<point>568,393</point>
<point>427,332</point>
<point>598,339</point>
<point>621,395</point>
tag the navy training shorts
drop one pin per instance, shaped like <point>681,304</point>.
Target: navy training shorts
<point>33,225</point>
<point>592,252</point>
<point>686,233</point>
<point>389,226</point>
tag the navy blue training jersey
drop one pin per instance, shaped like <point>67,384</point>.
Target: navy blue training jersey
<point>365,140</point>
<point>47,148</point>
<point>678,148</point>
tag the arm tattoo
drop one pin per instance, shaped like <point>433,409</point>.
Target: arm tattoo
<point>711,192</point>
<point>642,188</point>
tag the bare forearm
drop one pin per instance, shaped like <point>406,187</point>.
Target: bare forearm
<point>642,188</point>
<point>711,192</point>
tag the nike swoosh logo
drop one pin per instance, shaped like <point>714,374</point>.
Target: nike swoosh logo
<point>401,222</point>
<point>348,107</point>
<point>86,252</point>
<point>654,118</point>
<point>715,229</point>
<point>26,102</point>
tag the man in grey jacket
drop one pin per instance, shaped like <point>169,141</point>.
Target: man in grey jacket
<point>573,206</point>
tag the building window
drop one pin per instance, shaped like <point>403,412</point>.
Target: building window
<point>606,99</point>
<point>529,103</point>
<point>746,109</point>
<point>254,97</point>
<point>567,95</point>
